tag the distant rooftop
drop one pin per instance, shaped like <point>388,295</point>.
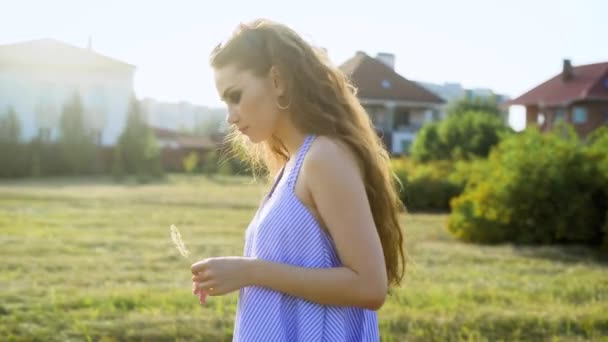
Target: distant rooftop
<point>50,52</point>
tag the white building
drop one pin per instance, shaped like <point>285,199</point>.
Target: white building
<point>38,77</point>
<point>179,116</point>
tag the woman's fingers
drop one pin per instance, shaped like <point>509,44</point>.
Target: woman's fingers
<point>201,294</point>
<point>201,277</point>
<point>195,289</point>
<point>205,286</point>
<point>199,266</point>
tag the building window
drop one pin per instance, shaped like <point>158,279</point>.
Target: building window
<point>380,118</point>
<point>579,115</point>
<point>405,146</point>
<point>402,119</point>
<point>560,115</point>
<point>386,84</point>
<point>436,115</point>
<point>377,115</point>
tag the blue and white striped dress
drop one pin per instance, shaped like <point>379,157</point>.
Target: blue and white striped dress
<point>284,230</point>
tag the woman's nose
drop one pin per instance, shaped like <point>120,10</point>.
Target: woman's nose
<point>232,117</point>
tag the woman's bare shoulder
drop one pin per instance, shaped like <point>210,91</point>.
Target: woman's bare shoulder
<point>329,157</point>
<point>330,151</point>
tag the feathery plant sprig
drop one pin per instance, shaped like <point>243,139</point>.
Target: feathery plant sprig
<point>178,242</point>
<point>176,237</point>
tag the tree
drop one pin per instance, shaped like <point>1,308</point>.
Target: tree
<point>488,104</point>
<point>137,146</point>
<point>11,150</point>
<point>428,145</point>
<point>10,128</point>
<point>76,141</point>
<point>463,136</point>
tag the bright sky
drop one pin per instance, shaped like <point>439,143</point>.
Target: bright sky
<point>508,46</point>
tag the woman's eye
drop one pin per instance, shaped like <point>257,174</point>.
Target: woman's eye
<point>235,97</point>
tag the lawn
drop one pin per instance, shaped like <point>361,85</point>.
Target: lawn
<point>84,259</point>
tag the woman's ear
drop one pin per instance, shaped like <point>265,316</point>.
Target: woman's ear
<point>278,82</point>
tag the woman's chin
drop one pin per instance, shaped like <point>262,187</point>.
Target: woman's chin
<point>255,141</point>
<point>255,138</point>
<point>252,138</point>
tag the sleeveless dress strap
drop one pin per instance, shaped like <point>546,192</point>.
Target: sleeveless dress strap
<point>276,182</point>
<point>293,175</point>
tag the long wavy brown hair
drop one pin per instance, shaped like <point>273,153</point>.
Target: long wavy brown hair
<point>322,102</point>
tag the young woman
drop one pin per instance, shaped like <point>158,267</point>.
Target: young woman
<point>325,245</point>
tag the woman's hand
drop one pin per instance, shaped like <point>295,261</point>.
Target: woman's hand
<point>222,275</point>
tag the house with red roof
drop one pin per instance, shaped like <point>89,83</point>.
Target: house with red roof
<point>397,106</point>
<point>177,145</point>
<point>578,95</point>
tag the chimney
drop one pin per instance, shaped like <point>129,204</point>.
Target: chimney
<point>90,44</point>
<point>386,58</point>
<point>567,72</point>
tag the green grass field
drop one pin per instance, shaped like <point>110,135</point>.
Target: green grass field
<point>89,260</point>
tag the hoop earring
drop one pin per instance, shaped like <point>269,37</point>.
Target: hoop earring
<point>282,107</point>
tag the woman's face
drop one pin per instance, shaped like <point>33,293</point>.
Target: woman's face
<point>251,101</point>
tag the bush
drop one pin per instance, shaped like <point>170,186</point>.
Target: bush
<point>118,166</point>
<point>428,186</point>
<point>534,188</point>
<point>210,164</point>
<point>597,151</point>
<point>597,148</point>
<point>45,159</point>
<point>226,163</point>
<point>13,158</point>
<point>225,168</point>
<point>190,162</point>
<point>467,136</point>
<point>73,153</point>
<point>239,167</point>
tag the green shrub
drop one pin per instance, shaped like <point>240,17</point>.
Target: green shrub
<point>427,186</point>
<point>44,159</point>
<point>597,151</point>
<point>225,168</point>
<point>190,162</point>
<point>224,163</point>
<point>118,166</point>
<point>534,188</point>
<point>210,162</point>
